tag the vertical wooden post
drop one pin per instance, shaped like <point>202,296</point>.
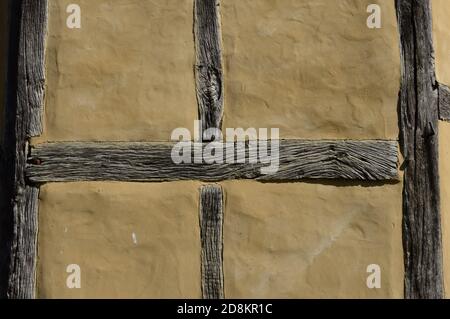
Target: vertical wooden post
<point>209,85</point>
<point>418,113</point>
<point>211,224</point>
<point>208,68</point>
<point>23,120</point>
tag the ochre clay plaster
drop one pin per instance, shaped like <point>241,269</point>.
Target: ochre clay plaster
<point>312,240</point>
<point>444,173</point>
<point>311,68</point>
<point>127,74</point>
<point>130,240</point>
<point>441,32</point>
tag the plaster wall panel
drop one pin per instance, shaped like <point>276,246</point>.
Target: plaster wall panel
<point>311,68</point>
<point>126,74</point>
<point>441,33</point>
<point>130,240</point>
<point>444,173</point>
<point>311,240</point>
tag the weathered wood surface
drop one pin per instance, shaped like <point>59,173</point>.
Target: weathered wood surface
<point>208,68</point>
<point>31,73</point>
<point>211,225</point>
<point>23,120</point>
<point>444,102</point>
<point>22,280</point>
<point>419,144</point>
<point>63,162</point>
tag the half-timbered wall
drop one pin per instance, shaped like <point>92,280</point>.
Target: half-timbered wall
<point>113,203</point>
<point>311,68</point>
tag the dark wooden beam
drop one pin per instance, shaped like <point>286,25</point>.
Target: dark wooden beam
<point>211,225</point>
<point>208,68</point>
<point>151,162</point>
<point>23,120</point>
<point>22,280</point>
<point>444,102</point>
<point>31,74</point>
<point>209,86</point>
<point>418,112</point>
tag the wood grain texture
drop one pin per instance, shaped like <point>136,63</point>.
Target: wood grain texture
<point>211,227</point>
<point>444,102</point>
<point>23,120</point>
<point>152,162</point>
<point>418,112</point>
<point>31,71</point>
<point>22,281</point>
<point>208,68</point>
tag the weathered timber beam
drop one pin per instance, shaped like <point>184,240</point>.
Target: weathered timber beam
<point>444,102</point>
<point>31,74</point>
<point>209,86</point>
<point>208,68</point>
<point>418,114</point>
<point>211,224</point>
<point>23,120</point>
<point>147,162</point>
<point>23,277</point>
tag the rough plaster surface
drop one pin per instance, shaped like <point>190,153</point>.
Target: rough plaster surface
<point>444,167</point>
<point>311,68</point>
<point>342,84</point>
<point>441,32</point>
<point>92,225</point>
<point>290,240</point>
<point>127,74</point>
<point>311,240</point>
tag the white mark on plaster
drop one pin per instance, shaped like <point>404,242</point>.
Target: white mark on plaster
<point>133,236</point>
<point>328,242</point>
<point>65,229</point>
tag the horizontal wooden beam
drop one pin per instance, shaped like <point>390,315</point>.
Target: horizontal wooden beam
<point>444,102</point>
<point>152,162</point>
